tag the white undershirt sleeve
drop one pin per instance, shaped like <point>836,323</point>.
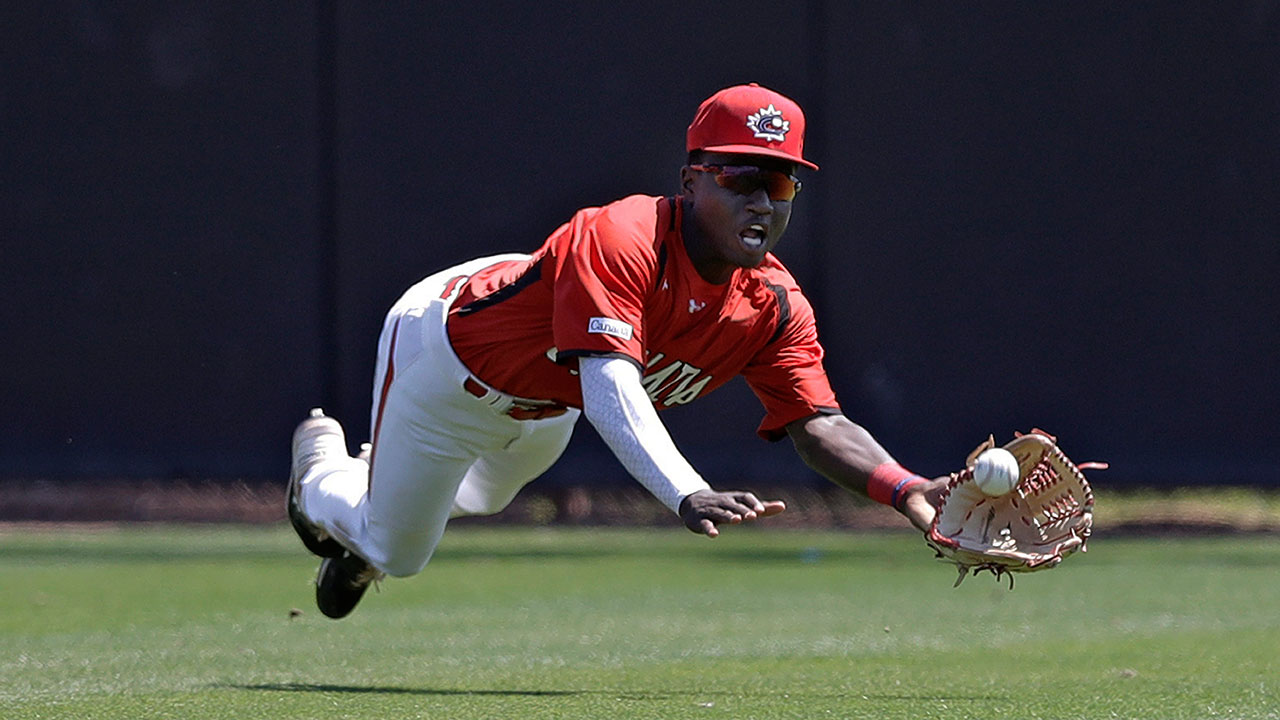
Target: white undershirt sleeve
<point>618,407</point>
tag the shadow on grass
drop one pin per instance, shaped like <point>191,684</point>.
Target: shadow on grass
<point>621,694</point>
<point>395,690</point>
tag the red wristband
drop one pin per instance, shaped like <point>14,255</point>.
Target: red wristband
<point>889,481</point>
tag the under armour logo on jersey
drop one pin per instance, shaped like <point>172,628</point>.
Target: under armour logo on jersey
<point>695,306</point>
<point>768,124</point>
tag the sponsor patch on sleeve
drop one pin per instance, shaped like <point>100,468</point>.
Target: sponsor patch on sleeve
<point>609,326</point>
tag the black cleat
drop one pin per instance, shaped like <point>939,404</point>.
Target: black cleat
<point>341,583</point>
<point>313,440</point>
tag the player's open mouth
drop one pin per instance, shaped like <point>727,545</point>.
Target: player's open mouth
<point>754,236</point>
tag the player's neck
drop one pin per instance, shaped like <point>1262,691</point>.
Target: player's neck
<point>706,262</point>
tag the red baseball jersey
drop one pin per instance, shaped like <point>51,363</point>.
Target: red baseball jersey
<point>616,281</point>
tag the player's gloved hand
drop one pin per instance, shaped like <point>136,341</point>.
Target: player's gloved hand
<point>1045,517</point>
<point>921,501</point>
<point>704,510</point>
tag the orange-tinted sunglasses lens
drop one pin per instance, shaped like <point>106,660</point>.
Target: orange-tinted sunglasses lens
<point>747,179</point>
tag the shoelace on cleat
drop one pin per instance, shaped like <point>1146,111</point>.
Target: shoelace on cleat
<point>369,575</point>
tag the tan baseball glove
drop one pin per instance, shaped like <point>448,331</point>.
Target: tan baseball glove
<point>1047,516</point>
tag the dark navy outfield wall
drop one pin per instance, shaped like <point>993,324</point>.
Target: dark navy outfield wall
<point>1052,214</point>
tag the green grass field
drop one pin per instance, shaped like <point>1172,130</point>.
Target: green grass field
<point>621,623</point>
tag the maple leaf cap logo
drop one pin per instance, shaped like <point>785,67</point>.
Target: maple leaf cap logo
<point>768,124</point>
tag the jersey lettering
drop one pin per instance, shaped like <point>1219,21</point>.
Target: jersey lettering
<point>674,384</point>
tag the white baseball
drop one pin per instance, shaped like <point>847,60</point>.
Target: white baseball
<point>995,472</point>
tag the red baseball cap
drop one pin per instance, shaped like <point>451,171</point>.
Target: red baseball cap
<point>751,120</point>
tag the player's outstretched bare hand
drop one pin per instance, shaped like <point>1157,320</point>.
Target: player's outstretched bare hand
<point>704,510</point>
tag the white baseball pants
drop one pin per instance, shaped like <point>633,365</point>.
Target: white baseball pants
<point>438,451</point>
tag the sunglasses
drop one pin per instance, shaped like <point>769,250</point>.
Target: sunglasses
<point>747,179</point>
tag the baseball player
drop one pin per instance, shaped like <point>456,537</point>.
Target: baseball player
<point>648,302</point>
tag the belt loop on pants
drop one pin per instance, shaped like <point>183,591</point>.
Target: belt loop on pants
<point>510,405</point>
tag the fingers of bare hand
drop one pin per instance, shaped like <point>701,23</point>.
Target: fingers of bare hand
<point>750,501</point>
<point>708,528</point>
<point>773,507</point>
<point>723,514</point>
<point>744,511</point>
